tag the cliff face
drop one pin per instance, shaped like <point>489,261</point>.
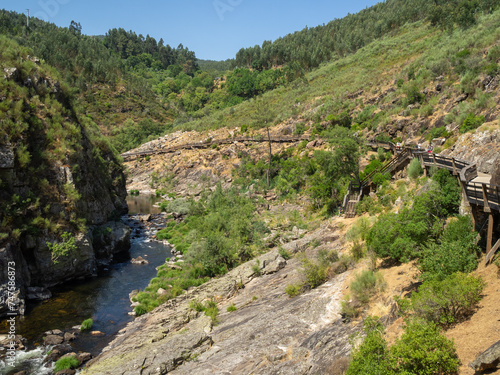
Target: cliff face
<point>62,187</point>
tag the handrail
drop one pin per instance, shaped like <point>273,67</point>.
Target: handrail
<point>126,155</point>
<point>483,194</point>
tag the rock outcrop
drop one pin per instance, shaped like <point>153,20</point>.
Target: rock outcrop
<point>268,333</point>
<point>57,177</point>
<point>489,359</point>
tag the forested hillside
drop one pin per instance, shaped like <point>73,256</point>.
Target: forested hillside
<point>313,46</point>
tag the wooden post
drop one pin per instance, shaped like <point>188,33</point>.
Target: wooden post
<point>489,238</point>
<point>487,208</point>
<point>455,172</point>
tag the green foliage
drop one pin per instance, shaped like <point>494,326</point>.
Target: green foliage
<point>66,363</point>
<point>359,230</point>
<point>450,191</point>
<point>294,290</point>
<point>366,284</point>
<point>86,324</point>
<point>456,251</point>
<point>284,253</point>
<point>446,301</point>
<point>372,356</point>
<point>134,192</point>
<point>423,349</point>
<point>471,122</point>
<point>196,306</point>
<point>231,308</point>
<point>357,251</point>
<point>211,310</point>
<point>413,95</point>
<point>415,169</point>
<point>218,232</point>
<point>63,248</point>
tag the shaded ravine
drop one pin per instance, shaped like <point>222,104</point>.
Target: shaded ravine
<point>105,299</point>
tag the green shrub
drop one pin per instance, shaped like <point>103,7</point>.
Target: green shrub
<point>366,284</point>
<point>140,310</point>
<point>446,301</point>
<point>86,324</point>
<point>423,349</point>
<point>196,306</point>
<point>293,289</point>
<point>372,356</point>
<point>66,363</point>
<point>64,248</point>
<point>134,192</point>
<point>357,251</point>
<point>231,308</point>
<point>414,169</point>
<point>457,251</point>
<point>211,310</point>
<point>413,95</point>
<point>401,236</point>
<point>471,122</point>
<point>284,253</point>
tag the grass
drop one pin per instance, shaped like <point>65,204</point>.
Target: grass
<point>87,324</point>
<point>65,363</point>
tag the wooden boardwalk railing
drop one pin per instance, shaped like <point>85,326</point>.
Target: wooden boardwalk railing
<point>484,196</point>
<point>200,145</point>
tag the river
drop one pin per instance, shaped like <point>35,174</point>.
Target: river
<point>105,299</point>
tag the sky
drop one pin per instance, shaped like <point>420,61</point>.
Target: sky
<point>213,29</point>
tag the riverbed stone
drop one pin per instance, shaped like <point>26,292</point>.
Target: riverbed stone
<point>53,340</point>
<point>69,336</point>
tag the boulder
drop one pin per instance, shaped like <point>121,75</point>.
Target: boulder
<point>139,260</point>
<point>489,359</point>
<point>38,293</point>
<point>53,340</point>
<point>68,336</point>
<point>66,372</point>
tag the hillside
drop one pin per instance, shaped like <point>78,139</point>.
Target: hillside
<point>60,180</point>
<point>419,85</point>
<point>267,275</point>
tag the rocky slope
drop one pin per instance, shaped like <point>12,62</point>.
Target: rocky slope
<point>269,333</point>
<point>57,178</point>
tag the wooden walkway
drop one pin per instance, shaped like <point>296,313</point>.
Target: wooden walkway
<point>481,195</point>
<point>201,145</point>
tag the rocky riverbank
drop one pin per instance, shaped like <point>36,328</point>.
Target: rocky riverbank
<point>266,332</point>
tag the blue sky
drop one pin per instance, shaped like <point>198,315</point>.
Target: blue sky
<point>213,29</point>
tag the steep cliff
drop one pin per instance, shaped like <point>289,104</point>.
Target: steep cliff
<point>61,184</point>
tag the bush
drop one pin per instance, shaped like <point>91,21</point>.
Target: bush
<point>293,289</point>
<point>457,251</point>
<point>66,363</point>
<point>401,236</point>
<point>448,301</point>
<point>414,169</point>
<point>211,310</point>
<point>372,356</point>
<point>140,310</point>
<point>284,253</point>
<point>471,122</point>
<point>357,251</point>
<point>366,284</point>
<point>196,306</point>
<point>423,349</point>
<point>86,325</point>
<point>231,308</point>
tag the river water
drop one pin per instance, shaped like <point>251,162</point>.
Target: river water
<point>105,299</point>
